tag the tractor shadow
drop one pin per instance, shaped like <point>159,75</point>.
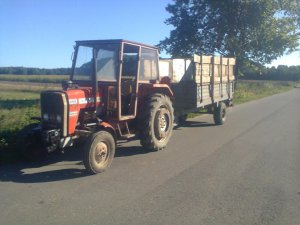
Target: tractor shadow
<point>189,124</point>
<point>45,169</point>
<point>123,151</point>
<point>57,167</point>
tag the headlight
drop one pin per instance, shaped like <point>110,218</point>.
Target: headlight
<point>58,118</point>
<point>45,116</point>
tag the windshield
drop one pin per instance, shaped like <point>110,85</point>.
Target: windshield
<point>84,64</point>
<point>106,63</point>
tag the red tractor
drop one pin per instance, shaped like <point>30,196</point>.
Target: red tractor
<point>114,92</point>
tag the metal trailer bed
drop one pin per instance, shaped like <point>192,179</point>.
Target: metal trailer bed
<point>200,82</point>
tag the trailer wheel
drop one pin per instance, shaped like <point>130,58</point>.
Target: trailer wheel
<point>29,142</point>
<point>156,122</point>
<point>220,114</point>
<point>99,152</point>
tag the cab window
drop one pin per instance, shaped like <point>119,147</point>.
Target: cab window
<point>107,62</point>
<point>130,61</point>
<point>148,66</point>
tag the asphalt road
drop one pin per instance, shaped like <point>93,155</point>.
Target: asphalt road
<point>244,172</point>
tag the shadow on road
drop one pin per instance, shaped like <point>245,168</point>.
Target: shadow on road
<point>70,166</point>
<point>194,124</point>
<point>122,151</point>
<point>57,167</point>
<point>25,172</point>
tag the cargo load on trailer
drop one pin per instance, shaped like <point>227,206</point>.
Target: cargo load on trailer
<point>199,82</point>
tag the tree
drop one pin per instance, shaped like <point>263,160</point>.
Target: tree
<point>258,31</point>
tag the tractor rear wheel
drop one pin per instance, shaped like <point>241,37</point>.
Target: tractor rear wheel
<point>156,122</point>
<point>220,114</point>
<point>99,152</point>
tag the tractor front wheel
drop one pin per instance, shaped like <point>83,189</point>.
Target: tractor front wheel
<point>99,152</point>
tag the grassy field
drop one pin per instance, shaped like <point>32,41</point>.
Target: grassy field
<point>20,101</point>
<point>34,78</point>
<point>252,90</point>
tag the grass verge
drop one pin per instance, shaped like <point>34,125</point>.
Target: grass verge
<point>18,103</point>
<point>34,78</point>
<point>251,90</point>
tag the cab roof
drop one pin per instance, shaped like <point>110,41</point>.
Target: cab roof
<point>112,41</point>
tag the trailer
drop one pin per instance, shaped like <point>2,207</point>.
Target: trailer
<point>200,82</point>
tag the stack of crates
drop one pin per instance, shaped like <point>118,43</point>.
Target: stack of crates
<point>200,81</point>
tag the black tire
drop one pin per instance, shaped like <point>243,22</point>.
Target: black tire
<point>99,151</point>
<point>156,122</point>
<point>220,114</point>
<point>30,142</point>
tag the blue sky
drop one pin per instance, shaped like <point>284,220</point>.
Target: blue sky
<point>41,33</point>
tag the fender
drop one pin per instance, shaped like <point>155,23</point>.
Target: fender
<point>160,88</point>
<point>109,128</point>
<point>165,89</point>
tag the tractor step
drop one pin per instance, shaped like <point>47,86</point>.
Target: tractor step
<point>125,135</point>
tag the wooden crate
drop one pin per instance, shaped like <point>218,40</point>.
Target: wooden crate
<point>202,69</point>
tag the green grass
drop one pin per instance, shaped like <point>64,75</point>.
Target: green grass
<point>20,101</point>
<point>251,90</point>
<point>34,78</point>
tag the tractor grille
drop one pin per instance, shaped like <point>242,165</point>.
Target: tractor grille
<point>54,111</point>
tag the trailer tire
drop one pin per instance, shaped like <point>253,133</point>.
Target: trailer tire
<point>220,114</point>
<point>99,151</point>
<point>156,122</point>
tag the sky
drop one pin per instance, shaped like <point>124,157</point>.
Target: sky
<point>41,33</point>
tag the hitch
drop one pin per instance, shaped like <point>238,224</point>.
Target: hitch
<point>51,139</point>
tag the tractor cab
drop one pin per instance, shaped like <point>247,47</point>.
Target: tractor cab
<point>114,69</point>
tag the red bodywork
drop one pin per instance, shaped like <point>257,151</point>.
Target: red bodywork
<point>80,99</point>
<point>83,99</point>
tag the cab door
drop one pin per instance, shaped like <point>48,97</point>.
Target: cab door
<point>128,81</point>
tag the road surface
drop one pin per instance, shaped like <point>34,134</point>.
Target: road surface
<point>245,172</point>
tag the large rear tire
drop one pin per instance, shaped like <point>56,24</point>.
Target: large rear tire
<point>156,122</point>
<point>220,114</point>
<point>99,152</point>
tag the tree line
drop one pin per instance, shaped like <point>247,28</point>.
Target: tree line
<point>247,71</point>
<point>34,71</point>
<point>282,72</point>
<point>252,31</point>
